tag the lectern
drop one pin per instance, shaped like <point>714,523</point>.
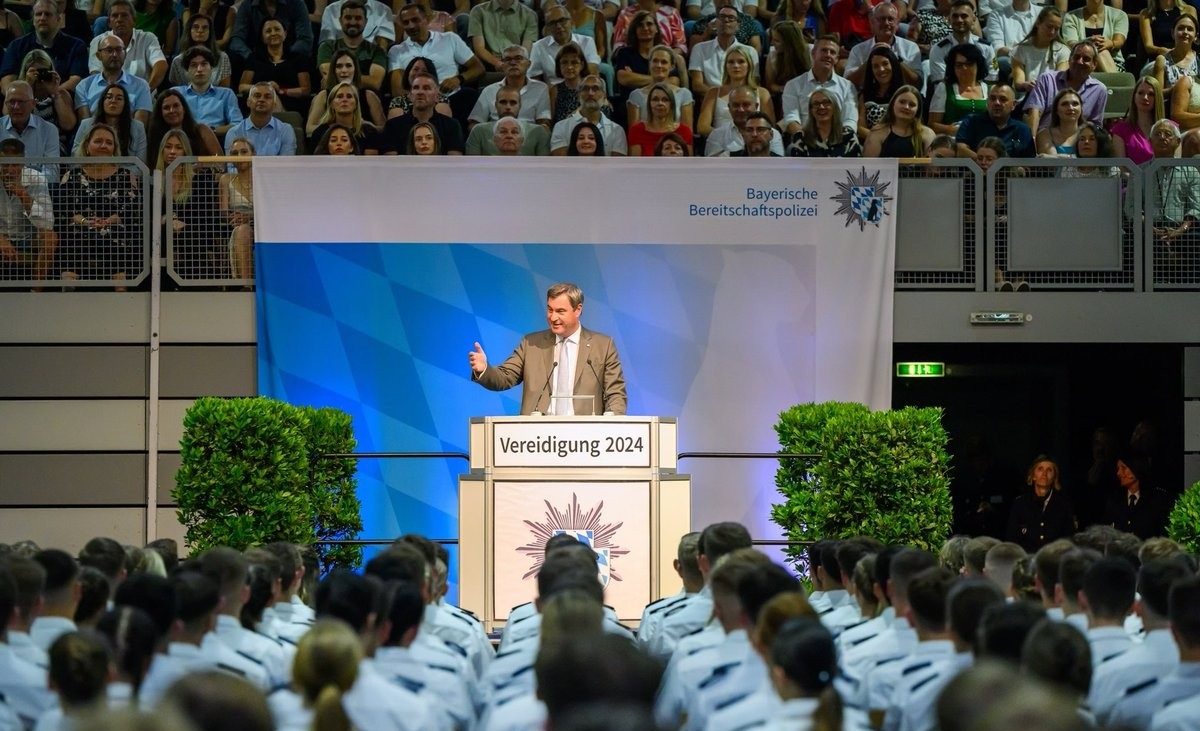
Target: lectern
<point>610,481</point>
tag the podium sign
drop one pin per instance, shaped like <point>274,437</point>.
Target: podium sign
<point>574,443</point>
<point>608,481</point>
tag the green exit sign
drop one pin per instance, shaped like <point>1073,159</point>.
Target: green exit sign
<point>920,370</point>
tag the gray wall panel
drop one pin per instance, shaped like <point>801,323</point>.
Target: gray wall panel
<point>170,423</point>
<point>1191,426</point>
<point>168,465</point>
<point>72,479</point>
<point>208,317</point>
<point>190,371</point>
<point>78,371</point>
<point>75,317</point>
<point>1191,372</point>
<point>73,426</point>
<point>70,528</point>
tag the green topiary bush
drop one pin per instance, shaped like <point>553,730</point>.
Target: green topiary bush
<point>246,477</point>
<point>1183,526</point>
<point>881,473</point>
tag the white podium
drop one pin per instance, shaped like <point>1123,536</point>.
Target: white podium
<point>609,480</point>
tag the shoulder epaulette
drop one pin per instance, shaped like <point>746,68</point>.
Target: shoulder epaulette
<point>443,668</point>
<point>926,681</point>
<point>855,643</point>
<point>916,667</point>
<point>519,620</point>
<point>717,673</point>
<point>231,670</point>
<point>747,727</point>
<point>1140,686</point>
<point>470,622</point>
<point>249,657</point>
<point>519,606</point>
<point>414,686</point>
<point>1111,657</point>
<point>885,661</point>
<point>730,702</point>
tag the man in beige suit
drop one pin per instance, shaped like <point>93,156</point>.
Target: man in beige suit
<point>559,363</point>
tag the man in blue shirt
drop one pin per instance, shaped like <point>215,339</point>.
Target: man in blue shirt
<point>40,137</point>
<point>267,134</point>
<point>111,52</point>
<point>215,106</point>
<point>997,122</point>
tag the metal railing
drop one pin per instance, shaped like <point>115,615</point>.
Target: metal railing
<point>1042,224</point>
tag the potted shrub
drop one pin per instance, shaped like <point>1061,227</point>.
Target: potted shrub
<point>248,477</point>
<point>883,474</point>
<point>1183,526</point>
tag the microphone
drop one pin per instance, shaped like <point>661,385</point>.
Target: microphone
<point>599,381</point>
<point>542,393</point>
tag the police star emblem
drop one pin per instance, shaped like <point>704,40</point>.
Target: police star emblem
<point>862,199</point>
<point>586,526</point>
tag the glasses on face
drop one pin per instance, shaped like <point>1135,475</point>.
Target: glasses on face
<point>111,50</point>
<point>821,104</point>
<point>758,130</point>
<point>727,17</point>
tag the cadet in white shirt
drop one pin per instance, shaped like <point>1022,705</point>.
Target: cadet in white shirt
<point>290,617</point>
<point>22,684</point>
<point>803,664</point>
<point>228,569</point>
<point>594,669</point>
<point>694,613</point>
<point>1139,703</point>
<point>687,565</point>
<point>528,609</point>
<point>1157,654</point>
<point>30,580</point>
<point>1108,593</point>
<point>61,595</point>
<point>1071,568</point>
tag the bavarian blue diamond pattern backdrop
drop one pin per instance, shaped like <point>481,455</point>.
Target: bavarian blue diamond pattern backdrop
<point>382,331</point>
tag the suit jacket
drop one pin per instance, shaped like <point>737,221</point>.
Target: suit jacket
<point>1146,519</point>
<point>597,371</point>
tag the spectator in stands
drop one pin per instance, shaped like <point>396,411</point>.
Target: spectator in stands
<point>100,213</point>
<point>591,102</point>
<point>52,102</point>
<point>143,55</point>
<point>788,59</point>
<point>158,17</point>
<point>1043,513</point>
<point>370,56</point>
<point>669,21</point>
<point>26,213</point>
<point>221,14</point>
<point>996,122</point>
<point>67,52</point>
<point>272,61</point>
<point>402,102</point>
<point>423,140</point>
<point>171,112</point>
<point>706,27</point>
<point>11,28</point>
<point>662,120</point>
<point>1179,60</point>
<point>394,138</point>
<point>1078,77</point>
<point>1156,26</point>
<point>1105,26</point>
<point>672,145</point>
<point>729,138</point>
<point>268,135</point>
<point>885,20</point>
<point>714,109</point>
<point>824,133</point>
<point>962,92</point>
<point>1041,50</point>
<point>337,140</point>
<point>237,203</point>
<point>498,24</point>
<point>930,25</point>
<point>253,14</point>
<point>662,64</point>
<point>377,27</point>
<point>1057,139</point>
<point>214,106</point>
<point>757,132</point>
<point>1007,26</point>
<point>40,137</point>
<point>569,64</point>
<point>191,194</point>
<point>962,20</point>
<point>822,75</point>
<point>535,138</point>
<point>110,50</point>
<point>535,95</point>
<point>1142,509</point>
<point>1131,135</point>
<point>198,32</point>
<point>343,109</point>
<point>453,61</point>
<point>809,14</point>
<point>345,70</point>
<point>706,63</point>
<point>881,80</point>
<point>851,23</point>
<point>900,133</point>
<point>543,58</point>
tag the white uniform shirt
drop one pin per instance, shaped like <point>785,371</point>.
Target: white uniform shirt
<point>23,687</point>
<point>141,53</point>
<point>1155,657</point>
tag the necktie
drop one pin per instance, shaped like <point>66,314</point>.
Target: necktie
<point>1133,500</point>
<point>562,381</point>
